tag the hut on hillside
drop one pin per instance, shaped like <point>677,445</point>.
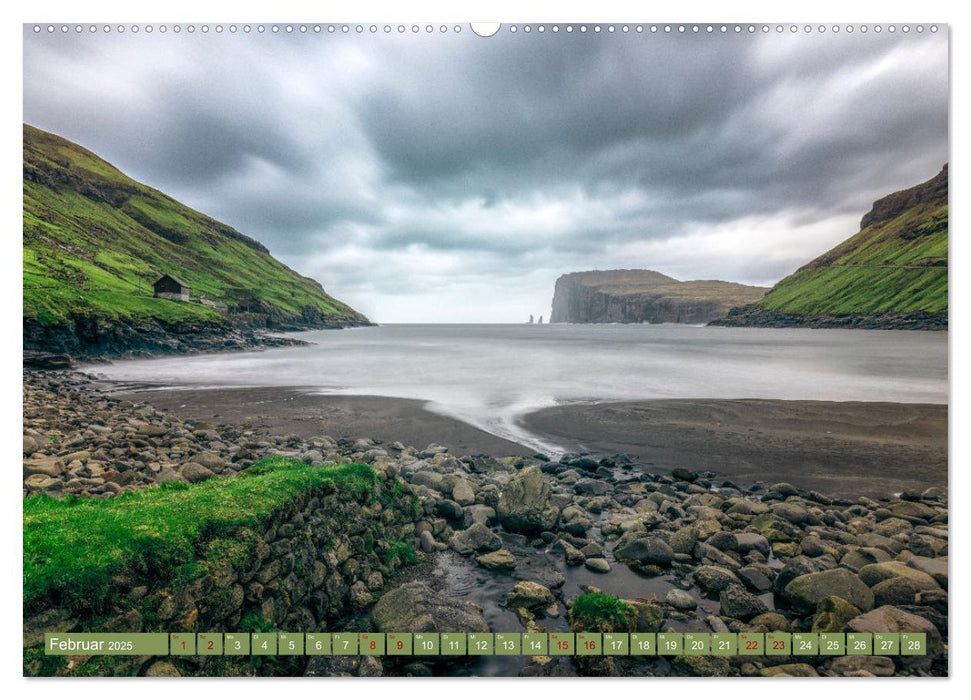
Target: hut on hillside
<point>169,287</point>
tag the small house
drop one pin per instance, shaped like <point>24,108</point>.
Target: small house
<point>169,287</point>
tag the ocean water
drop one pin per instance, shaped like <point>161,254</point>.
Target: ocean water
<point>492,375</point>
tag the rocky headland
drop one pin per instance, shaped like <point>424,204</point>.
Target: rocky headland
<point>644,296</point>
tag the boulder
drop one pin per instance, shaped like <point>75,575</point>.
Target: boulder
<point>739,604</point>
<point>598,565</point>
<point>806,592</point>
<point>873,665</point>
<point>898,590</point>
<point>936,567</point>
<point>680,600</point>
<point>210,460</point>
<point>751,541</point>
<point>414,607</point>
<point>462,493</point>
<point>872,574</point>
<point>499,560</point>
<point>529,595</point>
<point>647,550</point>
<point>524,504</point>
<point>48,466</point>
<point>477,538</point>
<point>193,472</point>
<point>428,479</point>
<point>714,578</point>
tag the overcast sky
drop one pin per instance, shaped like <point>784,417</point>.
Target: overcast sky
<point>449,178</point>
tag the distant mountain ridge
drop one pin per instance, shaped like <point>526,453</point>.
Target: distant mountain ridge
<point>644,296</point>
<point>892,274</point>
<point>95,241</point>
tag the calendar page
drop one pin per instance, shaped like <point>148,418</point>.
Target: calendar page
<point>437,349</point>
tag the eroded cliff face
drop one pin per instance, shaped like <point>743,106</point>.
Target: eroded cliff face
<point>644,296</point>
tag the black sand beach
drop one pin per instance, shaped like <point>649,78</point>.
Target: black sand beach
<point>292,411</point>
<point>851,448</point>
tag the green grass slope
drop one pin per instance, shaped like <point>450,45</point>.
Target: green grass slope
<point>95,241</point>
<point>75,550</point>
<point>894,268</point>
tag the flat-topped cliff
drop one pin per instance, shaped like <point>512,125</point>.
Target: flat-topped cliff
<point>645,296</point>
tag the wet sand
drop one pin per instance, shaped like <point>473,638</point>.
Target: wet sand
<point>837,448</point>
<point>293,411</point>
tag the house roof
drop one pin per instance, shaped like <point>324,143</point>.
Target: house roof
<point>174,279</point>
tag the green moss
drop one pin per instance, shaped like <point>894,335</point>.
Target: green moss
<point>76,551</point>
<point>95,241</point>
<point>598,612</point>
<point>402,552</point>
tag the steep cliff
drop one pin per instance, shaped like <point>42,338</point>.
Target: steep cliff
<point>644,296</point>
<point>892,274</point>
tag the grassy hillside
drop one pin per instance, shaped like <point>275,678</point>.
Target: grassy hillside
<point>95,241</point>
<point>897,263</point>
<point>894,269</point>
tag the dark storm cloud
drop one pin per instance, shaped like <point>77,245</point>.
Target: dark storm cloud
<point>451,160</point>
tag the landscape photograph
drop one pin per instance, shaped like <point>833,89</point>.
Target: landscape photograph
<point>554,350</point>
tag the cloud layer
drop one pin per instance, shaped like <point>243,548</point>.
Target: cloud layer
<point>453,178</point>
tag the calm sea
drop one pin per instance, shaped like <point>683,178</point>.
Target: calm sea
<point>490,375</point>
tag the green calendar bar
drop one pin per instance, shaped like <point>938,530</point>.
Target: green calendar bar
<point>236,644</point>
<point>343,644</point>
<point>371,644</point>
<point>562,644</point>
<point>859,643</point>
<point>536,644</point>
<point>589,644</point>
<point>263,643</point>
<point>508,644</point>
<point>832,644</point>
<point>290,643</point>
<point>480,644</point>
<point>886,643</point>
<point>182,644</point>
<point>643,644</point>
<point>453,643</point>
<point>209,643</point>
<point>426,644</point>
<point>317,644</point>
<point>670,644</point>
<point>616,644</point>
<point>106,644</point>
<point>805,644</point>
<point>795,644</point>
<point>751,644</point>
<point>399,644</point>
<point>697,644</point>
<point>913,643</point>
<point>724,644</point>
<point>778,644</point>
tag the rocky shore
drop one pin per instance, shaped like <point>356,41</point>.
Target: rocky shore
<point>60,346</point>
<point>756,316</point>
<point>686,551</point>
